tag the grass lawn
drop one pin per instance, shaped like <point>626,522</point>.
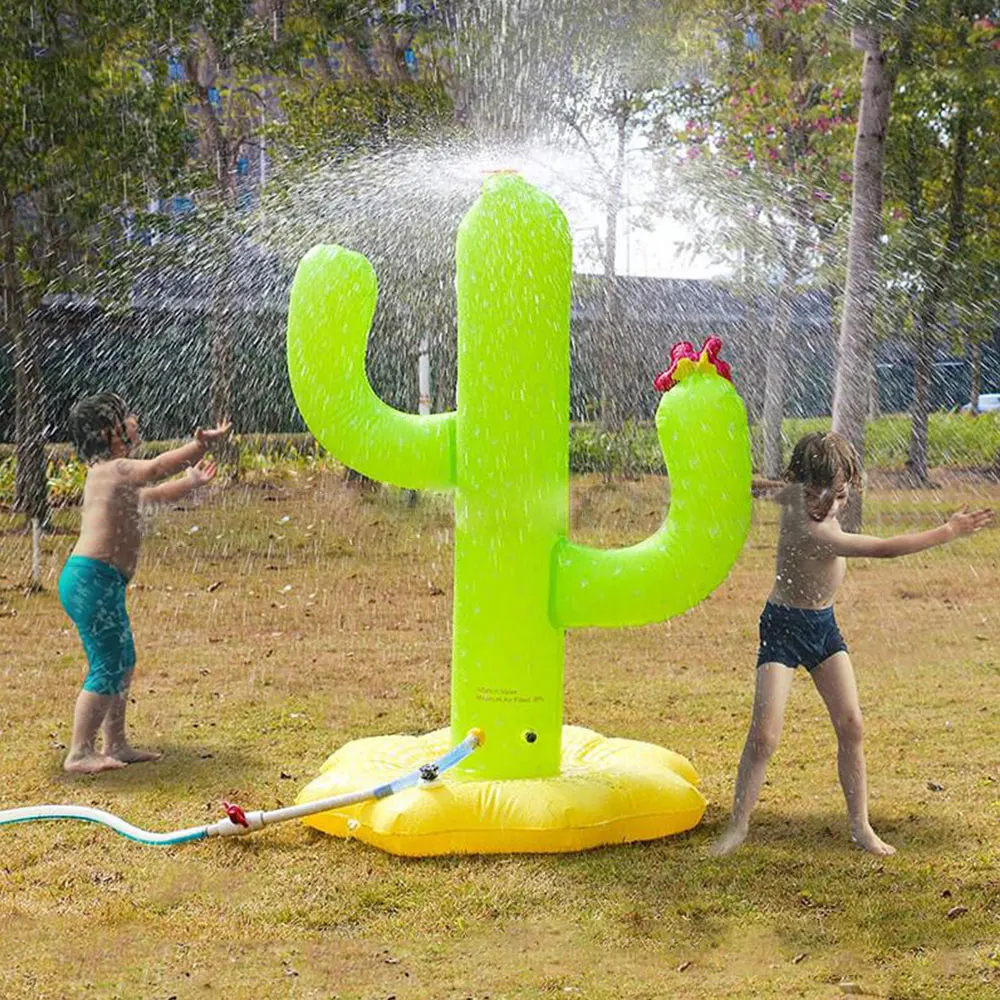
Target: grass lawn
<point>277,620</point>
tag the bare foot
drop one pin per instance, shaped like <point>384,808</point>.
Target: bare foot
<point>91,762</point>
<point>130,755</point>
<point>867,839</point>
<point>729,841</point>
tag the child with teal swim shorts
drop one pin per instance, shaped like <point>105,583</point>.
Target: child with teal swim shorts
<point>92,584</point>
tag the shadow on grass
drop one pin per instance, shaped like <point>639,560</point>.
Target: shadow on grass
<point>215,768</point>
<point>820,837</point>
<point>826,832</point>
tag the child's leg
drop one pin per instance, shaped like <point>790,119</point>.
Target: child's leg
<point>834,679</point>
<point>116,742</point>
<point>774,681</point>
<point>87,590</point>
<point>91,709</point>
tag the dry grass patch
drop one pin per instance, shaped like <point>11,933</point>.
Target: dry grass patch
<point>300,615</point>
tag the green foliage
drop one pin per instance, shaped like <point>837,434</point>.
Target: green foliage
<point>948,92</point>
<point>88,120</point>
<point>763,138</point>
<point>623,454</point>
<point>955,439</point>
<point>66,481</point>
<point>342,118</point>
<point>65,476</point>
<point>277,456</point>
<point>8,468</point>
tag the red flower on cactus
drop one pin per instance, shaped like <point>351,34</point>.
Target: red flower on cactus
<point>685,360</point>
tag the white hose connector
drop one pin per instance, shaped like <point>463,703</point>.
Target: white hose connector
<point>227,828</point>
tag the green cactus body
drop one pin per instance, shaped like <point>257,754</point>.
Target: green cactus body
<point>519,583</point>
<point>514,267</point>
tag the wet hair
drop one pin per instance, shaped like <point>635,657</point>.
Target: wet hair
<point>93,420</point>
<point>825,464</point>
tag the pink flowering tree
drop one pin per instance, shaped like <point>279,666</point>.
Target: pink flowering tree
<point>764,146</point>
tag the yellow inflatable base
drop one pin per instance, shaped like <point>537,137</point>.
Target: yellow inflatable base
<point>610,791</point>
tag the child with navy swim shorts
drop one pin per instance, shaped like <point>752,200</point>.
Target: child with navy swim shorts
<point>798,627</point>
<point>93,581</point>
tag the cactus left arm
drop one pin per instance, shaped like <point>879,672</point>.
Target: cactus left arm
<point>703,433</point>
<point>330,312</point>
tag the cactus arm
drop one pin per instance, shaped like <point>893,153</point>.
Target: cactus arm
<point>705,442</point>
<point>329,316</point>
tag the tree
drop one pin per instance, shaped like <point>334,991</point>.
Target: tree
<point>764,151</point>
<point>583,81</point>
<point>940,177</point>
<point>622,115</point>
<point>980,303</point>
<point>87,124</point>
<point>372,81</point>
<point>349,144</point>
<point>872,32</point>
<point>230,56</point>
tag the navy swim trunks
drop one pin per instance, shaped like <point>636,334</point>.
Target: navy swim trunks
<point>798,636</point>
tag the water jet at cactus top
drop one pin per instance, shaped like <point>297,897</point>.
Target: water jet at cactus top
<point>534,785</point>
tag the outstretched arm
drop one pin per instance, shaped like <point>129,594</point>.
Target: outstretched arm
<point>842,543</point>
<point>144,472</point>
<point>330,313</point>
<point>176,489</point>
<point>703,434</point>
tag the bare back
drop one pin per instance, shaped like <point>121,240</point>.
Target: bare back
<point>807,574</point>
<point>110,525</point>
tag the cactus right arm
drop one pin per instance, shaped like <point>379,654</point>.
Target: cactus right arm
<point>329,315</point>
<point>703,434</point>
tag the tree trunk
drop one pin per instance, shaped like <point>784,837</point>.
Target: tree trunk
<point>202,65</point>
<point>923,371</point>
<point>221,365</point>
<point>31,477</point>
<point>217,153</point>
<point>753,354</point>
<point>857,332</point>
<point>610,354</point>
<point>355,62</point>
<point>774,386</point>
<point>975,373</point>
<point>391,48</point>
<point>874,406</point>
<point>836,313</point>
<point>220,368</point>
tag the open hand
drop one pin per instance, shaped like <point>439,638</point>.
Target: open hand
<point>966,522</point>
<point>220,433</point>
<point>202,473</point>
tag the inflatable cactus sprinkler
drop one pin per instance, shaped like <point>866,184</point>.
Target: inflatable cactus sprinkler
<point>533,784</point>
